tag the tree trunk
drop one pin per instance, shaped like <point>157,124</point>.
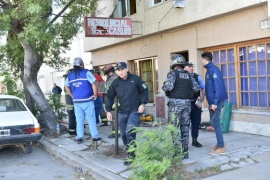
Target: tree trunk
<point>32,63</point>
<point>29,100</point>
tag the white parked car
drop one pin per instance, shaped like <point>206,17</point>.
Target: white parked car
<point>18,126</point>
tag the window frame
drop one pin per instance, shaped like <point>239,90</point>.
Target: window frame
<point>136,69</point>
<point>153,4</point>
<point>128,8</point>
<point>236,48</point>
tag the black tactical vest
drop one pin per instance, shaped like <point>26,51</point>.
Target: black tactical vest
<point>195,95</point>
<point>182,86</point>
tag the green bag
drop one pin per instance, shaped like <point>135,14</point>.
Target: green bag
<point>226,117</point>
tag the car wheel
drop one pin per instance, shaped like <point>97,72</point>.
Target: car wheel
<point>27,148</point>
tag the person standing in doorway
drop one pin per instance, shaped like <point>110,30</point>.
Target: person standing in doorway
<point>81,85</point>
<point>178,86</point>
<point>132,93</point>
<point>196,109</point>
<point>216,95</point>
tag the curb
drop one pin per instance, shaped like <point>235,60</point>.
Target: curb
<point>97,172</point>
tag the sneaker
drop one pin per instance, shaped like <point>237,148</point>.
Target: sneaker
<point>215,147</point>
<point>79,140</point>
<point>218,151</point>
<point>96,139</point>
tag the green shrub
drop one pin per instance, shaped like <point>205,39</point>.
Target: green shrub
<point>155,153</point>
<point>58,108</point>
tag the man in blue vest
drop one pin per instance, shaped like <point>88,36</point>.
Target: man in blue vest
<point>81,85</point>
<point>178,86</point>
<point>216,95</point>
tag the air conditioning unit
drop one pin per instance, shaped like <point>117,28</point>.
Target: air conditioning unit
<point>179,3</point>
<point>265,24</point>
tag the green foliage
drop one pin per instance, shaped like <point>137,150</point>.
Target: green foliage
<point>155,153</point>
<point>11,85</point>
<point>38,23</point>
<point>57,107</point>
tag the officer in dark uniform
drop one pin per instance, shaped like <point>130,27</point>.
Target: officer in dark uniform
<point>70,110</point>
<point>196,109</point>
<point>179,85</point>
<point>132,93</point>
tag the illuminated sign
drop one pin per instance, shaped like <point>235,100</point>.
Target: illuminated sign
<point>106,27</point>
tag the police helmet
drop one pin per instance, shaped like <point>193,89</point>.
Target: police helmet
<point>177,59</point>
<point>108,68</point>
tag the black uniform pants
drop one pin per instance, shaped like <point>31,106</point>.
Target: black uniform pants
<point>195,117</point>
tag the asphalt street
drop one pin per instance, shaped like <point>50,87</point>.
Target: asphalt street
<point>15,164</point>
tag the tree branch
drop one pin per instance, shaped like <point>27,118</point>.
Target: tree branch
<point>3,3</point>
<point>61,12</point>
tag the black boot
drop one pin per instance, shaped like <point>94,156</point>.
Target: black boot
<point>196,143</point>
<point>129,160</point>
<point>185,152</point>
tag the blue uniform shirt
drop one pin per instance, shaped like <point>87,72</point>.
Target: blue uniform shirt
<point>201,83</point>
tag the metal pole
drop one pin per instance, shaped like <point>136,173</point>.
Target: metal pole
<point>116,127</point>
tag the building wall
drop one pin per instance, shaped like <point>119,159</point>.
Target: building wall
<point>163,17</point>
<point>234,27</point>
<point>238,27</point>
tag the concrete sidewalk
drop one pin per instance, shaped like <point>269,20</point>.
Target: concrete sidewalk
<point>245,152</point>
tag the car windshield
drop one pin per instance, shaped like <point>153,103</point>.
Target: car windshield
<point>11,105</point>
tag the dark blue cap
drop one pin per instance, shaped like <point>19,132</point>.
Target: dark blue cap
<point>121,65</point>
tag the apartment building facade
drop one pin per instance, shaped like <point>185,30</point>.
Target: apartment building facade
<point>236,32</point>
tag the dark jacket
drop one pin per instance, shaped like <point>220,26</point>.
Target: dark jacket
<point>214,85</point>
<point>131,92</point>
<point>56,90</point>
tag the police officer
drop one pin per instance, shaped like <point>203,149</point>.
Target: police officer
<point>132,93</point>
<point>178,85</point>
<point>196,109</point>
<point>109,71</point>
<point>70,110</point>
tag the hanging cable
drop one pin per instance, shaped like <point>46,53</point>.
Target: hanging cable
<point>167,13</point>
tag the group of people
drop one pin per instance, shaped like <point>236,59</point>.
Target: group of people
<point>126,89</point>
<point>186,91</point>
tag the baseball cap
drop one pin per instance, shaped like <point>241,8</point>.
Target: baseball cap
<point>77,61</point>
<point>121,65</point>
<point>189,64</point>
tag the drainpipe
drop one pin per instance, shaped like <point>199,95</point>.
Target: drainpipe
<point>268,7</point>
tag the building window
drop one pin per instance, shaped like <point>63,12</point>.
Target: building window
<point>155,2</point>
<point>225,60</point>
<point>246,73</point>
<point>255,75</point>
<point>147,70</point>
<point>126,8</point>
